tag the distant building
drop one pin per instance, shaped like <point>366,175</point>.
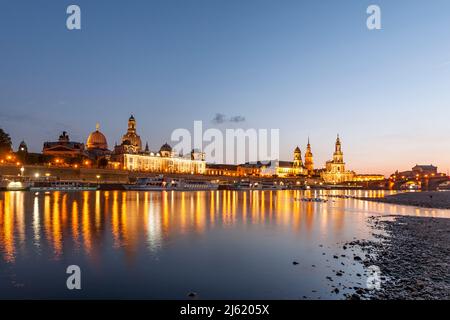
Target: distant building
<point>64,148</point>
<point>335,169</point>
<point>424,170</point>
<point>221,169</point>
<point>418,171</point>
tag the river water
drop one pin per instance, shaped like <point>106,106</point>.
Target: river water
<point>163,245</point>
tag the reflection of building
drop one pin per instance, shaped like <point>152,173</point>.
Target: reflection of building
<point>335,169</point>
<point>64,148</point>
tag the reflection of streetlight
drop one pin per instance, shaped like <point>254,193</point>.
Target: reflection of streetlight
<point>22,169</point>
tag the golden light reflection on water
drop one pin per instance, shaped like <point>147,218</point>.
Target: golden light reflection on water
<point>83,222</point>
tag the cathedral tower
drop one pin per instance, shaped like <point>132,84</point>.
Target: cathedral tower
<point>131,140</point>
<point>338,155</point>
<point>297,158</point>
<point>309,162</point>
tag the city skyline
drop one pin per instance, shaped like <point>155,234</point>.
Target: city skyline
<point>172,63</point>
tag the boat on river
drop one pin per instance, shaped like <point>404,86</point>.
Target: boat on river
<point>47,186</point>
<point>157,183</point>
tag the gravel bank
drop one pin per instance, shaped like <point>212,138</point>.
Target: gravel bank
<point>413,257</point>
<point>431,199</point>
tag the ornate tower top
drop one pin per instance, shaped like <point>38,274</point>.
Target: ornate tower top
<point>132,124</point>
<point>297,157</point>
<point>338,144</point>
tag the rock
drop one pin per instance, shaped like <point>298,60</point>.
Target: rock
<point>355,297</point>
<point>357,258</point>
<point>192,294</point>
<point>295,263</point>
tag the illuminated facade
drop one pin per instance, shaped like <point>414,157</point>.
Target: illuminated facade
<point>284,169</point>
<point>64,148</point>
<point>309,161</point>
<point>130,156</point>
<point>335,169</point>
<point>131,141</point>
<point>158,163</point>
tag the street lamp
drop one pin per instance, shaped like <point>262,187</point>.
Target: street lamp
<point>22,169</point>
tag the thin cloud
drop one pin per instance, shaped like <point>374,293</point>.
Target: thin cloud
<point>221,118</point>
<point>237,119</point>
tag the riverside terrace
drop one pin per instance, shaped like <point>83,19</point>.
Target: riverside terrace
<point>111,178</point>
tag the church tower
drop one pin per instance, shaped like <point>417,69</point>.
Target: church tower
<point>309,162</point>
<point>297,158</point>
<point>338,155</point>
<point>131,141</point>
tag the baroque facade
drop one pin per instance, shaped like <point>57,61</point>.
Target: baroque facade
<point>130,156</point>
<point>335,169</point>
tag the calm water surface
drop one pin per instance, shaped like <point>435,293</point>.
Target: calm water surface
<point>220,244</point>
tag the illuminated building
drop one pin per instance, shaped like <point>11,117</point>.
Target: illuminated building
<point>64,148</point>
<point>165,162</point>
<point>131,141</point>
<point>284,169</point>
<point>335,169</point>
<point>97,145</point>
<point>368,177</point>
<point>425,170</point>
<point>129,156</point>
<point>309,162</point>
<point>221,169</point>
<point>96,140</point>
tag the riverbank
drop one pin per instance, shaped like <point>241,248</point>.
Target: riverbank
<point>413,257</point>
<point>430,199</point>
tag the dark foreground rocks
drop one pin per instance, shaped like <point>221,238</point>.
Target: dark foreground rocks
<point>413,257</point>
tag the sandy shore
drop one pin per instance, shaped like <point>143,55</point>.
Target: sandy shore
<point>413,258</point>
<point>431,199</point>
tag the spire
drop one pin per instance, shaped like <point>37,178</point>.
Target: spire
<point>97,126</point>
<point>146,147</point>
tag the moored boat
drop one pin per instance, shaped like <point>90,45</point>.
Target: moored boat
<point>157,183</point>
<point>47,186</point>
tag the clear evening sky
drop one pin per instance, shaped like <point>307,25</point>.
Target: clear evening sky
<point>306,67</point>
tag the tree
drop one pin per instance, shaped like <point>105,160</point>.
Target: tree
<point>5,142</point>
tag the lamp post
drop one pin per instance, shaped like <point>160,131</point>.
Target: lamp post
<point>22,169</point>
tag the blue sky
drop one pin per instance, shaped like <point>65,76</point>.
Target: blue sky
<point>305,67</point>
